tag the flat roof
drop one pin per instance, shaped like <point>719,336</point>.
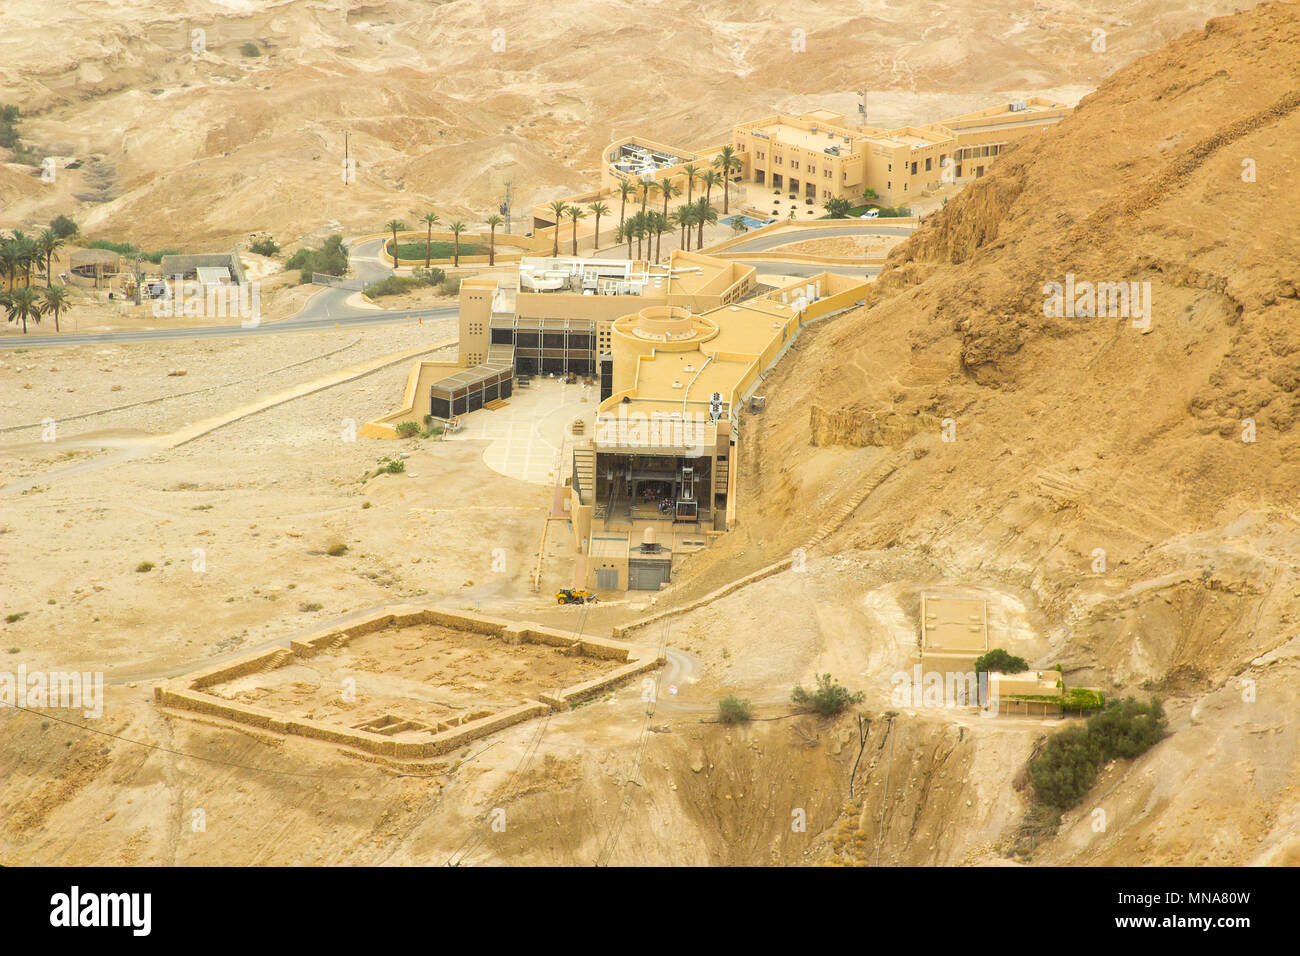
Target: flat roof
<point>826,135</point>
<point>954,625</point>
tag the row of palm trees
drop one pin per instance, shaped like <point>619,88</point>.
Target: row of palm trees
<point>25,256</point>
<point>690,217</point>
<point>456,228</point>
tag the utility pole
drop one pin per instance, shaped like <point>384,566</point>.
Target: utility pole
<point>346,168</point>
<point>505,206</point>
<point>862,108</point>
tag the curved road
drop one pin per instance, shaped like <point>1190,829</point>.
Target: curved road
<point>325,310</point>
<point>868,227</point>
<point>328,308</point>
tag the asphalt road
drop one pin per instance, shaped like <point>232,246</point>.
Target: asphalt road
<point>328,308</point>
<point>869,227</point>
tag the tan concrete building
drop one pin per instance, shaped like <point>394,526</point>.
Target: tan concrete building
<point>818,155</point>
<point>668,429</point>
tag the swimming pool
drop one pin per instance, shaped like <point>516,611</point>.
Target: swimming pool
<point>750,223</point>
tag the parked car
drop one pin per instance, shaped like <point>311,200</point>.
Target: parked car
<point>870,214</point>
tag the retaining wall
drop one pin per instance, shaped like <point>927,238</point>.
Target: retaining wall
<point>187,693</point>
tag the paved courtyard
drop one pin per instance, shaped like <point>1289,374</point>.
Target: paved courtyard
<point>531,437</point>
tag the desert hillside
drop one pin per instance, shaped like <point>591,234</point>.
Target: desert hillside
<point>168,107</point>
<point>1134,487</point>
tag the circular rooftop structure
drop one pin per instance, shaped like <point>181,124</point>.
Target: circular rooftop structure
<point>666,326</point>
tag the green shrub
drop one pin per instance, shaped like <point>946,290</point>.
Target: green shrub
<point>393,285</point>
<point>129,251</point>
<point>438,249</point>
<point>431,276</point>
<point>63,227</point>
<point>408,430</point>
<point>250,49</point>
<point>829,699</point>
<point>9,117</point>
<point>450,286</point>
<point>308,606</point>
<point>14,619</point>
<point>1127,728</point>
<point>336,549</point>
<point>331,258</point>
<point>265,247</point>
<point>144,566</point>
<point>999,661</point>
<point>394,466</point>
<point>734,710</point>
<point>1066,769</point>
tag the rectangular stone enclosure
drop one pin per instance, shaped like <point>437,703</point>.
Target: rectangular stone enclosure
<point>409,682</point>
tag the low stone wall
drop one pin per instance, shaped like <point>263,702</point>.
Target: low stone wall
<point>187,694</point>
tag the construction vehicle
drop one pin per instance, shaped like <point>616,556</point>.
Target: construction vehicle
<point>574,596</point>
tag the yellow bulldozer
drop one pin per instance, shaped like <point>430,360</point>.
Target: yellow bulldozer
<point>574,596</point>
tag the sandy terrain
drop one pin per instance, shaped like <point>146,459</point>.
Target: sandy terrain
<point>444,110</point>
<point>1073,435</point>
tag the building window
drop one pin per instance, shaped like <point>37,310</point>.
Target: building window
<point>914,169</point>
<point>927,164</point>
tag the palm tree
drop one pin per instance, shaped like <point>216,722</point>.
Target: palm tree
<point>669,190</point>
<point>23,305</point>
<point>394,226</point>
<point>645,185</point>
<point>49,242</point>
<point>9,259</point>
<point>54,299</point>
<point>624,234</point>
<point>709,178</point>
<point>692,173</point>
<point>681,218</point>
<point>727,163</point>
<point>558,208</point>
<point>658,225</point>
<point>598,209</point>
<point>22,252</point>
<point>637,224</point>
<point>625,187</point>
<point>576,213</point>
<point>456,228</point>
<point>705,214</point>
<point>429,218</point>
<point>493,221</point>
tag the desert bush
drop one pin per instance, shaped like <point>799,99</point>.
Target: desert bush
<point>144,566</point>
<point>392,285</point>
<point>336,549</point>
<point>829,699</point>
<point>999,661</point>
<point>450,286</point>
<point>265,247</point>
<point>63,227</point>
<point>1065,771</point>
<point>734,710</point>
<point>330,259</point>
<point>408,430</point>
<point>250,49</point>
